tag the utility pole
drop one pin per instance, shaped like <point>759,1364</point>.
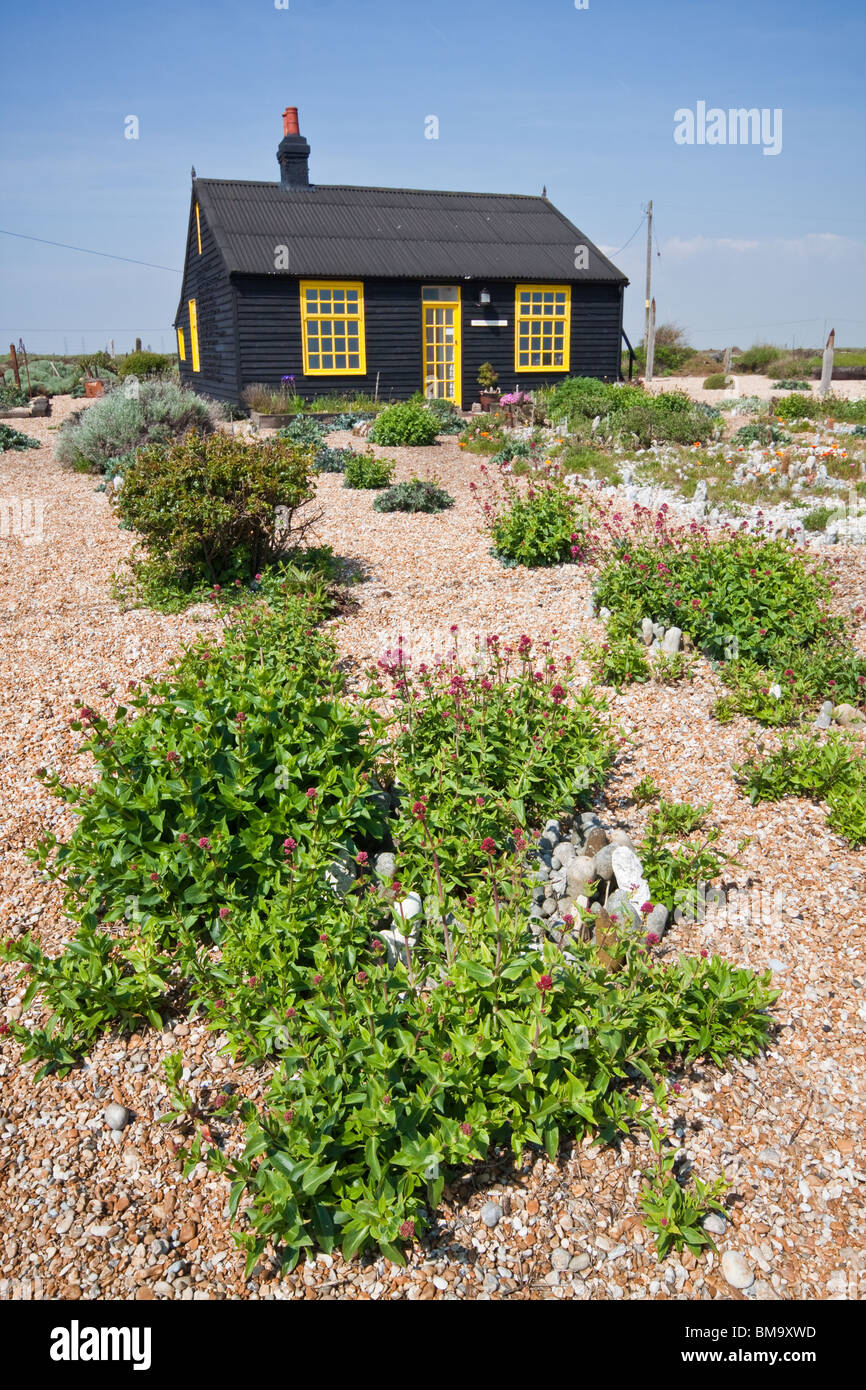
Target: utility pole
<point>651,343</point>
<point>649,269</point>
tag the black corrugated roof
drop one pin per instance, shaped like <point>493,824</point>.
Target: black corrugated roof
<point>411,232</point>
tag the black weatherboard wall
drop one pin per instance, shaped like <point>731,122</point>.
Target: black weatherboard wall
<point>259,240</point>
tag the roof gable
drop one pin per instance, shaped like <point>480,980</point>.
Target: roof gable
<point>395,232</point>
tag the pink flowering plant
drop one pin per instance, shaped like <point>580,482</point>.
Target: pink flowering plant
<point>534,523</point>
<point>400,1028</point>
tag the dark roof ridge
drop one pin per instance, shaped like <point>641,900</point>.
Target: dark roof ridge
<point>377,188</point>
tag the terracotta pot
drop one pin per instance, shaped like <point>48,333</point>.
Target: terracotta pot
<point>489,400</point>
<point>271,422</point>
<point>94,388</point>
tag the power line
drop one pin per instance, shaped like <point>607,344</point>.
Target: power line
<point>108,255</point>
<point>631,238</point>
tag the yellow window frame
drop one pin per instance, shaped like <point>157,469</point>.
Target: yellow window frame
<point>181,345</point>
<point>198,227</point>
<point>539,311</point>
<point>442,297</point>
<point>327,317</point>
<point>193,335</point>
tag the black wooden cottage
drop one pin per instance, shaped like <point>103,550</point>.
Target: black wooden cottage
<point>396,289</point>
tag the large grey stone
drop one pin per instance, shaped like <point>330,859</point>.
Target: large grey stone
<point>657,920</point>
<point>564,852</point>
<point>580,875</point>
<point>646,629</point>
<point>385,865</point>
<point>117,1116</point>
<point>621,837</point>
<point>603,863</point>
<point>671,641</point>
<point>628,872</point>
<point>846,715</point>
<point>596,839</point>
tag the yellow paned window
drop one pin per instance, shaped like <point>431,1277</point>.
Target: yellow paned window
<point>332,327</point>
<point>542,328</point>
<point>193,335</point>
<point>181,345</point>
<point>198,227</point>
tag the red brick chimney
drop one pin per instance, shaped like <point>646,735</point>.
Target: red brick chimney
<point>293,152</point>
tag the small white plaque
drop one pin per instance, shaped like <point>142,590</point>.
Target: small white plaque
<point>489,323</point>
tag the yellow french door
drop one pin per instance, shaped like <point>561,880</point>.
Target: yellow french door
<point>441,310</point>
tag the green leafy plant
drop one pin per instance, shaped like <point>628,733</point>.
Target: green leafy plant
<point>404,425</point>
<point>329,460</point>
<point>417,495</point>
<point>143,364</point>
<point>676,865</point>
<point>367,471</point>
<point>645,791</point>
<point>117,424</point>
<point>545,524</point>
<point>304,430</point>
<point>831,771</point>
<point>792,384</point>
<point>13,439</point>
<point>674,1210</point>
<point>488,377</point>
<point>12,396</point>
<point>210,503</point>
<point>716,381</point>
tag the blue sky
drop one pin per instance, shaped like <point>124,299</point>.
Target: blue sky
<point>753,247</point>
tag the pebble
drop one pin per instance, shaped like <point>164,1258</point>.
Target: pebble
<point>580,1262</point>
<point>491,1214</point>
<point>715,1223</point>
<point>736,1270</point>
<point>116,1116</point>
<point>560,1259</point>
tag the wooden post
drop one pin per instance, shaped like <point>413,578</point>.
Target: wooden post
<point>726,361</point>
<point>138,345</point>
<point>827,365</point>
<point>22,352</point>
<point>651,342</point>
<point>15,372</point>
<point>649,269</point>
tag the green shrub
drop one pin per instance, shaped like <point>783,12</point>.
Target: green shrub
<point>757,359</point>
<point>760,434</point>
<point>14,439</point>
<point>792,384</point>
<point>758,606</point>
<point>367,471</point>
<point>546,525</point>
<point>717,381</point>
<point>817,518</point>
<point>215,504</point>
<point>143,364</point>
<point>116,424</point>
<point>445,413</point>
<point>12,396</point>
<point>304,430</point>
<point>418,495</point>
<point>404,424</point>
<point>796,407</point>
<point>225,845</point>
<point>833,772</point>
<point>330,460</point>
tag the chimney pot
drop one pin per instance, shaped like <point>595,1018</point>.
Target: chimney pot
<point>290,121</point>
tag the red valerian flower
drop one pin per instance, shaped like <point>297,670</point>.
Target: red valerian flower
<point>646,908</point>
<point>362,857</point>
<point>466,1128</point>
<point>544,983</point>
<point>652,939</point>
<point>488,845</point>
<point>677,1088</point>
<point>362,977</point>
<point>323,936</point>
<point>419,810</point>
<point>704,954</point>
<point>317,979</point>
<point>376,945</point>
<point>290,1013</point>
<point>407,1230</point>
<point>204,842</point>
<point>183,837</point>
<point>447,1057</point>
<point>224,912</point>
<point>4,1029</point>
<point>154,878</point>
<point>312,793</point>
<point>288,1116</point>
<point>172,757</point>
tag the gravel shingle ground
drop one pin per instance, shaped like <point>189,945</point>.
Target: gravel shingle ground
<point>90,1215</point>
